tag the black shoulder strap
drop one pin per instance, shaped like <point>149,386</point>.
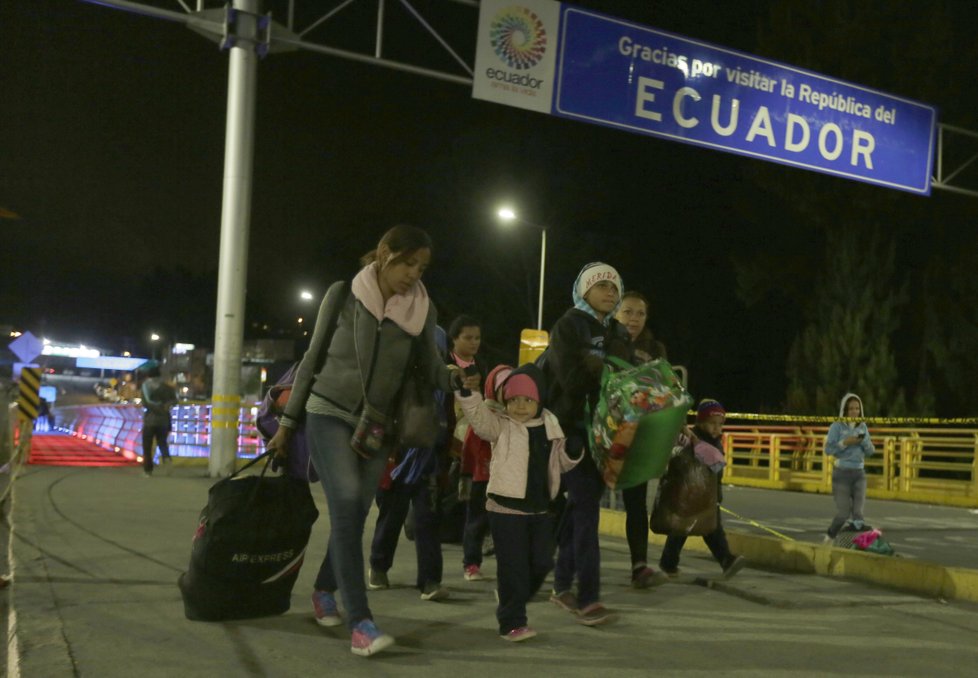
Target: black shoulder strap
<point>331,322</point>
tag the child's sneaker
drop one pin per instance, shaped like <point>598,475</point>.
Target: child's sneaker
<point>565,600</point>
<point>434,591</point>
<point>473,573</point>
<point>594,614</point>
<point>671,573</point>
<point>644,577</point>
<point>734,566</point>
<point>367,639</point>
<point>324,607</point>
<point>516,635</point>
<point>377,580</point>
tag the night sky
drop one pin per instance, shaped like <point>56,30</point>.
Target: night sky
<point>112,151</point>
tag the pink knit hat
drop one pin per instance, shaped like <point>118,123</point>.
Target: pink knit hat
<point>521,385</point>
<point>496,376</point>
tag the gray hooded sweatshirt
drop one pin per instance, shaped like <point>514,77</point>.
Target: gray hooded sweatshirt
<point>852,456</point>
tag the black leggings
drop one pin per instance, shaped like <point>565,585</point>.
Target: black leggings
<point>637,522</point>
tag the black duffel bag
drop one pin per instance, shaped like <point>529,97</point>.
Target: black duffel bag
<point>248,547</point>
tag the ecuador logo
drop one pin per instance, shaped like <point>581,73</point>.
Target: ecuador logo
<point>518,38</point>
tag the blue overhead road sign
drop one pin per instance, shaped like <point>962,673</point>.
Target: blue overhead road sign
<point>610,72</point>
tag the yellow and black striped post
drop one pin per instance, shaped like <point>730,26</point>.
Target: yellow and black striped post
<point>28,406</point>
<point>29,399</point>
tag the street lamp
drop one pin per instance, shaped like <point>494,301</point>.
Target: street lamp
<point>507,215</point>
<point>305,295</point>
<point>154,337</point>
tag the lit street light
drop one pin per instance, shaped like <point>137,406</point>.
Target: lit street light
<point>305,295</point>
<point>506,215</point>
<point>155,338</point>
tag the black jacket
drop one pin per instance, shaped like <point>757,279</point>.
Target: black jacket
<point>578,346</point>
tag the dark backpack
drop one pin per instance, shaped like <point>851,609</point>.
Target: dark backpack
<point>273,404</point>
<point>248,547</point>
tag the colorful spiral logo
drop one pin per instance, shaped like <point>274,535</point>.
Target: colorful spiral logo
<point>517,36</point>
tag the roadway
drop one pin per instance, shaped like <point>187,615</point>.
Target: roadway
<point>96,553</point>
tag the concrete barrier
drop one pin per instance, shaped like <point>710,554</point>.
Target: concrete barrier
<point>914,576</point>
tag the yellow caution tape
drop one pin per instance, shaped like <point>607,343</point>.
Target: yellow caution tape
<point>797,418</point>
<point>757,524</point>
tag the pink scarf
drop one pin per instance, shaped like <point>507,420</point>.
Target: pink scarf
<point>408,311</point>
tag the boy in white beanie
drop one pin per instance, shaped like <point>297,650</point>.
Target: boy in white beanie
<point>579,342</point>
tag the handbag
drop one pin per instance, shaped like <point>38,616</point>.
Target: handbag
<point>248,546</point>
<point>686,500</point>
<point>416,416</point>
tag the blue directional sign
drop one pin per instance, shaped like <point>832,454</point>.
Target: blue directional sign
<point>610,72</point>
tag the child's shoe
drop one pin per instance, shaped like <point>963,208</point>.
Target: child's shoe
<point>643,577</point>
<point>434,591</point>
<point>324,607</point>
<point>367,639</point>
<point>734,566</point>
<point>516,635</point>
<point>594,614</point>
<point>565,600</point>
<point>473,573</point>
<point>377,580</point>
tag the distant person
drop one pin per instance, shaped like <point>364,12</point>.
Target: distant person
<point>410,483</point>
<point>465,335</point>
<point>528,457</point>
<point>579,342</point>
<point>633,315</point>
<point>849,442</point>
<point>158,397</point>
<point>710,417</point>
<point>476,462</point>
<point>347,391</point>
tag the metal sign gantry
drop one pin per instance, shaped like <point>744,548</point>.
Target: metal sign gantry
<point>248,35</point>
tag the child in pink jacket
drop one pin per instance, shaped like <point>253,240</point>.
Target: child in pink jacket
<point>528,456</point>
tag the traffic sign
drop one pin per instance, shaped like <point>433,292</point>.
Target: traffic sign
<point>29,399</point>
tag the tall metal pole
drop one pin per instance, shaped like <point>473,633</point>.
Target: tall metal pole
<point>543,263</point>
<point>235,225</point>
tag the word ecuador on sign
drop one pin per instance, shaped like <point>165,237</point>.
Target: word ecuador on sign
<point>618,74</point>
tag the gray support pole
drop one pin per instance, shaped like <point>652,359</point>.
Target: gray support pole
<point>235,224</point>
<point>543,263</point>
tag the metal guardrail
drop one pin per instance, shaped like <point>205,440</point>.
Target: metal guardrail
<point>119,428</point>
<point>937,464</point>
<point>932,464</point>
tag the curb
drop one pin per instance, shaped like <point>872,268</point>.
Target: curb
<point>13,642</point>
<point>914,576</point>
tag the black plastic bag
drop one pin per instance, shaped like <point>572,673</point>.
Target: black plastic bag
<point>248,547</point>
<point>686,501</point>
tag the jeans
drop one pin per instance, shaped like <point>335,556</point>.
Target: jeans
<point>524,557</point>
<point>637,522</point>
<point>476,525</point>
<point>159,434</point>
<point>578,552</point>
<point>350,483</point>
<point>716,541</point>
<point>393,504</point>
<point>849,492</point>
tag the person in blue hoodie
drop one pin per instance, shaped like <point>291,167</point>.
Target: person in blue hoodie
<point>579,342</point>
<point>849,442</point>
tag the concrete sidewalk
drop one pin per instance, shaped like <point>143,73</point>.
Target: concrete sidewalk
<point>95,555</point>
